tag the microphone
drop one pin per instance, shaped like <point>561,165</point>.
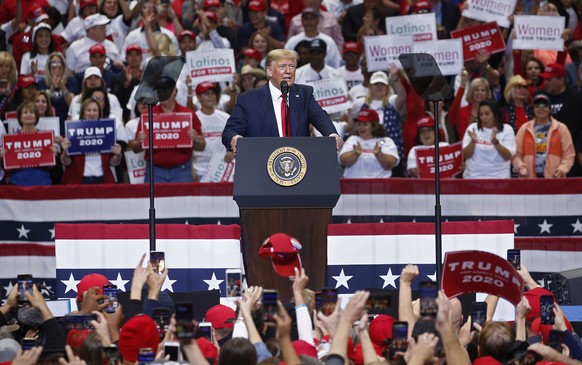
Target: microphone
<point>284,87</point>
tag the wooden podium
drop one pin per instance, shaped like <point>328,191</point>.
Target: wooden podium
<point>287,185</point>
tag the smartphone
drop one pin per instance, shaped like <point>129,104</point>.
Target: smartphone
<point>270,307</point>
<point>378,302</point>
<point>547,309</point>
<point>318,300</point>
<point>28,343</point>
<point>478,313</point>
<point>24,286</point>
<point>205,330</point>
<point>233,284</point>
<point>158,261</point>
<point>184,316</point>
<point>428,295</point>
<point>555,340</point>
<point>112,355</point>
<point>161,315</point>
<point>86,321</point>
<point>328,300</point>
<point>399,337</point>
<point>514,257</point>
<point>3,83</point>
<point>110,292</point>
<point>145,356</point>
<point>171,348</point>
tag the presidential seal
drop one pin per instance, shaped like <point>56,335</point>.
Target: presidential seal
<point>286,166</point>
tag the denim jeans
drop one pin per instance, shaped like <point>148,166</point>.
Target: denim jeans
<point>182,173</point>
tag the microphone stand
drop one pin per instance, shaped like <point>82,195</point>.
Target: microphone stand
<point>437,193</point>
<point>150,102</point>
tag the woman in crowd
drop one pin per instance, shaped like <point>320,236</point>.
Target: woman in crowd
<point>61,87</point>
<point>369,153</point>
<point>120,14</point>
<point>43,44</point>
<point>43,103</point>
<point>8,77</point>
<point>488,144</point>
<point>91,168</point>
<point>518,109</point>
<point>544,145</point>
<point>261,44</point>
<point>533,68</point>
<point>28,117</point>
<point>461,117</point>
<point>425,138</point>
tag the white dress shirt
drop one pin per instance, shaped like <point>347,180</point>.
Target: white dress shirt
<point>277,98</point>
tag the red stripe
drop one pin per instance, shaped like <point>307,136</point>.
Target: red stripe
<point>377,229</point>
<point>549,243</point>
<point>141,231</point>
<point>26,249</point>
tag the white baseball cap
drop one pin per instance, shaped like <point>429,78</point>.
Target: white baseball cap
<point>95,19</point>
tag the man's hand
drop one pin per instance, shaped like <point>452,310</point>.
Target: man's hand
<point>299,281</point>
<point>37,301</point>
<point>409,273</point>
<point>73,359</point>
<point>29,357</point>
<point>101,328</point>
<point>91,301</point>
<point>11,301</point>
<point>522,308</point>
<point>355,307</point>
<point>155,282</point>
<point>283,322</point>
<point>339,142</point>
<point>249,299</point>
<point>423,350</point>
<point>233,142</point>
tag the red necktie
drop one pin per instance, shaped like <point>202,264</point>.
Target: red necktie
<point>284,117</point>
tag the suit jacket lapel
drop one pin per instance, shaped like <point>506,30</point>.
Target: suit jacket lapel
<point>294,108</point>
<point>267,110</point>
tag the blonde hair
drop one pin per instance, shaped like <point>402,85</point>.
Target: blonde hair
<point>479,81</point>
<point>47,69</point>
<point>6,57</point>
<point>165,44</point>
<point>281,54</point>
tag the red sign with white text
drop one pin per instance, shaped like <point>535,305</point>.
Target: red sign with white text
<point>170,130</point>
<point>451,161</point>
<point>28,150</point>
<point>480,272</point>
<point>486,37</point>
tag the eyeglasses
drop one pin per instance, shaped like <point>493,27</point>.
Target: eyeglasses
<point>56,64</point>
<point>541,105</point>
<point>98,98</point>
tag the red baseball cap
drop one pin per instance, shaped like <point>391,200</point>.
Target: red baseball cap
<point>381,329</point>
<point>544,329</point>
<point>553,70</point>
<point>368,115</point>
<point>209,351</point>
<point>426,121</point>
<point>533,297</point>
<point>284,252</point>
<point>352,47</point>
<point>139,332</point>
<point>133,47</point>
<point>97,48</point>
<point>186,33</point>
<point>203,87</point>
<point>211,15</point>
<point>25,81</point>
<point>211,4</point>
<point>221,316</point>
<point>90,281</point>
<point>304,348</point>
<point>422,6</point>
<point>257,5</point>
<point>84,3</point>
<point>253,53</point>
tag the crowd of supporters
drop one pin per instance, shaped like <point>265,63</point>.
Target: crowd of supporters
<point>515,112</point>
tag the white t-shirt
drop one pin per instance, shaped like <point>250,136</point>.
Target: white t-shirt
<point>212,127</point>
<point>333,57</point>
<point>486,162</point>
<point>137,36</point>
<point>306,74</point>
<point>411,160</point>
<point>26,65</point>
<point>357,94</point>
<point>78,53</point>
<point>117,30</point>
<point>75,30</point>
<point>367,165</point>
<point>352,78</point>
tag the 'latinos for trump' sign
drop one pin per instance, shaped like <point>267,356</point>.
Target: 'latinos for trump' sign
<point>90,136</point>
<point>422,27</point>
<point>539,32</point>
<point>212,64</point>
<point>170,130</point>
<point>485,37</point>
<point>332,95</point>
<point>450,161</point>
<point>491,10</point>
<point>383,50</point>
<point>28,150</point>
<point>481,272</point>
<point>448,54</point>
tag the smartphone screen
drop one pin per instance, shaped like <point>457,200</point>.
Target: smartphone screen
<point>158,261</point>
<point>24,285</point>
<point>378,302</point>
<point>428,294</point>
<point>172,349</point>
<point>399,337</point>
<point>161,316</point>
<point>28,343</point>
<point>318,300</point>
<point>184,316</point>
<point>555,340</point>
<point>514,257</point>
<point>270,307</point>
<point>328,300</point>
<point>205,330</point>
<point>547,309</point>
<point>233,283</point>
<point>479,313</point>
<point>110,292</point>
<point>145,356</point>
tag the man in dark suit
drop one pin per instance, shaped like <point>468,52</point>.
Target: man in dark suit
<point>260,112</point>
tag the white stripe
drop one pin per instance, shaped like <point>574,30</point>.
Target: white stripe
<point>551,261</point>
<point>402,249</point>
<point>117,209</point>
<point>37,266</point>
<point>118,254</point>
<point>459,205</point>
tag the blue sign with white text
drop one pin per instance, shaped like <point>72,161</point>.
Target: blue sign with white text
<point>90,136</point>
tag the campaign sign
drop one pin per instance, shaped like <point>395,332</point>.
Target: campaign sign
<point>383,50</point>
<point>90,136</point>
<point>219,170</point>
<point>480,272</point>
<point>486,37</point>
<point>422,27</point>
<point>490,11</point>
<point>28,150</point>
<point>44,124</point>
<point>539,32</point>
<point>136,166</point>
<point>213,64</point>
<point>448,54</point>
<point>450,161</point>
<point>332,95</point>
<point>170,130</point>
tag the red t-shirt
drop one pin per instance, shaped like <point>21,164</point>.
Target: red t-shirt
<point>8,9</point>
<point>173,157</point>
